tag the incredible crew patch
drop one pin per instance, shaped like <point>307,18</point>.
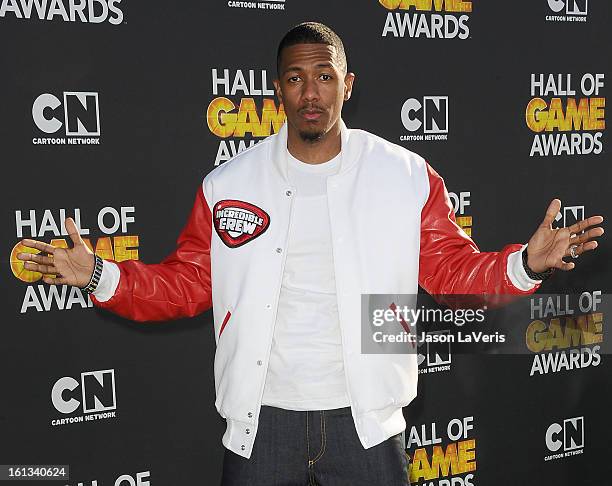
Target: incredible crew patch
<point>238,222</point>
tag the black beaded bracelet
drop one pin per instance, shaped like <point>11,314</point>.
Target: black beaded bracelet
<point>530,273</point>
<point>95,276</point>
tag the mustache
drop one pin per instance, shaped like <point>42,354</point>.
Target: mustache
<point>311,109</point>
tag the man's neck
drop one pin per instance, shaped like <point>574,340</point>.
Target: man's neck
<point>317,152</point>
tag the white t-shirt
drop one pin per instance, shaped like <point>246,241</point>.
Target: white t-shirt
<point>306,370</point>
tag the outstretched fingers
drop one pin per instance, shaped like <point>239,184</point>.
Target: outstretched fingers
<point>587,235</point>
<point>565,266</point>
<point>580,248</point>
<point>38,263</point>
<point>585,223</point>
<point>73,232</point>
<point>551,213</point>
<point>38,267</point>
<point>38,245</point>
<point>35,257</point>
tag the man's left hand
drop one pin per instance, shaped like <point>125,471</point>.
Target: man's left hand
<point>547,247</point>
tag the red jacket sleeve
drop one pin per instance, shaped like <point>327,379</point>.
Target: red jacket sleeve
<point>179,286</point>
<point>450,262</point>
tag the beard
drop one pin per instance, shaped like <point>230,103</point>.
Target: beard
<point>311,136</point>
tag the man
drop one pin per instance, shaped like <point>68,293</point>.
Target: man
<point>282,241</point>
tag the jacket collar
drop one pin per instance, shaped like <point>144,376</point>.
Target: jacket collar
<point>349,151</point>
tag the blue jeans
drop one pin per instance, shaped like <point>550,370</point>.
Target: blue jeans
<point>315,448</point>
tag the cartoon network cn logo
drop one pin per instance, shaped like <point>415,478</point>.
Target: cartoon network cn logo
<point>269,5</point>
<point>94,396</point>
<point>568,215</point>
<point>425,119</point>
<point>565,439</point>
<point>78,113</point>
<point>568,10</point>
<point>437,355</point>
<point>571,7</point>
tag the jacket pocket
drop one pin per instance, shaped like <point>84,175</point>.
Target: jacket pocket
<point>224,323</point>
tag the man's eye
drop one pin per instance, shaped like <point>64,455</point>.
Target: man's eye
<point>325,77</point>
<point>294,79</point>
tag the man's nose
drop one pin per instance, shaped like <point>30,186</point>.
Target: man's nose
<point>310,91</point>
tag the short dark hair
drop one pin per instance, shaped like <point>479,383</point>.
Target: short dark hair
<point>312,33</point>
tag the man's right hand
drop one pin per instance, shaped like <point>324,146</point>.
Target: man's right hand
<point>71,266</point>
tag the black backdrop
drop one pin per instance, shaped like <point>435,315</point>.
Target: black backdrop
<point>145,92</point>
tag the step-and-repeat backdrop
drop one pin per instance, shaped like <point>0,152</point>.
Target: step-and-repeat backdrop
<point>114,110</point>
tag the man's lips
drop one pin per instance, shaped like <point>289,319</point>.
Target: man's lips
<point>311,114</point>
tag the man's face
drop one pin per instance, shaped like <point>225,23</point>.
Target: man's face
<point>312,87</point>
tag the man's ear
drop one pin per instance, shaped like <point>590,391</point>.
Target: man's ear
<point>349,79</point>
<point>277,88</point>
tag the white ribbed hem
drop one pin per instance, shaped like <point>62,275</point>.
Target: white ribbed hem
<point>516,272</point>
<point>109,280</point>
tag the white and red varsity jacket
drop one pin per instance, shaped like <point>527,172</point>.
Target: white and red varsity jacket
<point>393,228</point>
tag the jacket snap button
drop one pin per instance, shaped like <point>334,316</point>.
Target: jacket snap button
<point>288,193</point>
<point>250,414</point>
<point>248,431</point>
<point>259,362</point>
<point>279,250</point>
<point>242,447</point>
